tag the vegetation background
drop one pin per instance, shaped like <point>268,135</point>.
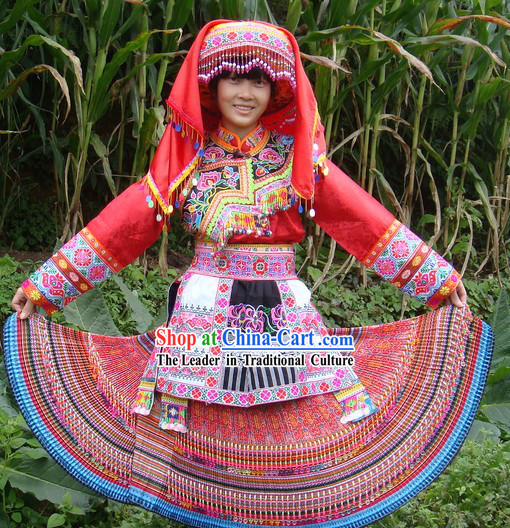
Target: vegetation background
<point>415,99</point>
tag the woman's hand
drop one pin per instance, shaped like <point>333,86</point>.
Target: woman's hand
<point>458,297</point>
<point>22,304</point>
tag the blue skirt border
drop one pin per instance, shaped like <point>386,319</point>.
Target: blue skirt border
<point>133,495</point>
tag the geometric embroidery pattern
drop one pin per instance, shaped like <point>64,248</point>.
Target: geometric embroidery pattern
<point>407,262</point>
<point>76,268</point>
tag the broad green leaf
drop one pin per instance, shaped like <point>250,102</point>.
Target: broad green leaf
<point>498,414</point>
<point>498,392</point>
<point>56,519</point>
<point>501,372</point>
<point>45,479</point>
<point>89,313</point>
<point>481,431</point>
<point>140,314</point>
<point>489,91</point>
<point>314,273</point>
<point>426,219</point>
<point>324,34</point>
<point>33,453</point>
<point>339,11</point>
<point>501,326</point>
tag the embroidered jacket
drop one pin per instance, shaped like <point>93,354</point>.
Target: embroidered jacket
<point>241,194</point>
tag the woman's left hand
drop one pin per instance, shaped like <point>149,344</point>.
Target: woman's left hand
<point>458,297</point>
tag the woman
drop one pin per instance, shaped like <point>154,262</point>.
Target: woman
<point>242,158</point>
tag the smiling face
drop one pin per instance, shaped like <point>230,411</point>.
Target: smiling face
<point>242,101</point>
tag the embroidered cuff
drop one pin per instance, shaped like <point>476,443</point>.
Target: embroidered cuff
<point>407,262</point>
<point>76,268</point>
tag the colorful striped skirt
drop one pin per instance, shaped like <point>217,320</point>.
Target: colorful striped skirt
<point>248,292</point>
<point>288,463</point>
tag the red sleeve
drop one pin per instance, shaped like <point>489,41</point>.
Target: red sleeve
<point>120,233</point>
<point>363,227</point>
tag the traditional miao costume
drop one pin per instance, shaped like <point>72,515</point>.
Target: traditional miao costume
<point>299,445</point>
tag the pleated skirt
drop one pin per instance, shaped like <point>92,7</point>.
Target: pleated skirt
<point>289,463</point>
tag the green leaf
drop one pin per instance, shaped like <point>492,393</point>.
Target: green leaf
<point>100,149</point>
<point>489,91</point>
<point>100,97</point>
<point>483,193</point>
<point>453,39</point>
<point>501,326</point>
<point>133,17</point>
<point>257,10</point>
<point>181,12</point>
<point>372,37</point>
<point>89,313</point>
<point>19,9</point>
<point>16,517</point>
<point>17,442</point>
<point>56,519</point>
<point>498,414</point>
<point>153,117</point>
<point>161,318</point>
<point>293,15</point>
<point>497,392</point>
<point>109,19</point>
<point>231,9</point>
<point>34,453</point>
<point>141,315</point>
<point>426,219</point>
<point>481,431</point>
<point>7,404</point>
<point>45,479</point>
<point>313,272</point>
<point>13,86</point>
<point>9,58</point>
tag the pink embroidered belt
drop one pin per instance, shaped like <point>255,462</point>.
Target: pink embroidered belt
<point>245,262</point>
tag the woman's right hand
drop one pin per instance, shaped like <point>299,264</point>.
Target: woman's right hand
<point>22,304</point>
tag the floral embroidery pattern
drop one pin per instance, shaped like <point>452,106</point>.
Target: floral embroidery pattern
<point>233,193</point>
<point>77,267</point>
<point>277,264</point>
<point>259,319</point>
<point>405,260</point>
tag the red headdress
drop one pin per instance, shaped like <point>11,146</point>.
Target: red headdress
<point>240,46</point>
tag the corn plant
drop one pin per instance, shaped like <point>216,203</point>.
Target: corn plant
<point>413,95</point>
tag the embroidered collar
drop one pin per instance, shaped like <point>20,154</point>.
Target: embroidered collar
<point>255,139</point>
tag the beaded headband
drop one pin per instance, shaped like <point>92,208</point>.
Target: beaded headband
<point>242,46</point>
